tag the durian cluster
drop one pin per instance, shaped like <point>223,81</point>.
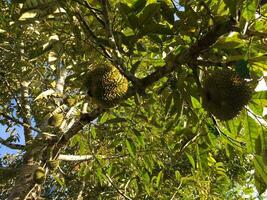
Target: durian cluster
<point>225,94</point>
<point>106,85</point>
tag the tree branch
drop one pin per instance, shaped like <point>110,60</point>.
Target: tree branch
<point>185,57</point>
<point>11,145</point>
<point>19,122</point>
<point>77,126</point>
<point>25,111</point>
<point>82,158</point>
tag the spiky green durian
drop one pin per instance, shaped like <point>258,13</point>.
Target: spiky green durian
<point>53,164</point>
<point>70,101</point>
<point>106,85</point>
<point>56,120</point>
<point>225,94</point>
<point>39,175</point>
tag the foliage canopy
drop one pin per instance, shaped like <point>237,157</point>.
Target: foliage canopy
<point>159,142</point>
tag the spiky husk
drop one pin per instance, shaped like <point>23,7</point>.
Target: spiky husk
<point>56,120</point>
<point>70,101</point>
<point>39,175</point>
<point>106,85</point>
<point>225,94</point>
<point>53,164</point>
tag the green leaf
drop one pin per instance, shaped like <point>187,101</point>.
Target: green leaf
<point>257,106</point>
<point>131,147</point>
<point>139,5</point>
<point>241,68</point>
<point>103,118</point>
<point>259,183</point>
<point>148,13</point>
<point>101,177</point>
<point>127,12</point>
<point>178,175</point>
<point>146,178</point>
<point>133,21</point>
<point>159,178</point>
<point>260,95</point>
<point>252,131</point>
<point>116,120</point>
<point>140,137</point>
<point>154,28</point>
<point>74,140</point>
<point>59,180</point>
<point>167,12</point>
<point>30,4</point>
<point>261,168</point>
<point>177,104</point>
<point>168,104</point>
<point>249,9</point>
<point>232,6</point>
<point>195,103</point>
<point>258,145</point>
<point>30,15</point>
<point>232,41</point>
<point>124,9</point>
<point>191,160</point>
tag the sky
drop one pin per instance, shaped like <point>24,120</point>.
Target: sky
<point>4,135</point>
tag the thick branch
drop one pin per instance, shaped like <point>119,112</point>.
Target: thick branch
<point>77,126</point>
<point>189,55</point>
<point>25,111</point>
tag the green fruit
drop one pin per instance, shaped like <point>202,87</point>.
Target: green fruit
<point>56,120</point>
<point>225,94</point>
<point>39,175</point>
<point>70,101</point>
<point>53,164</point>
<point>106,85</point>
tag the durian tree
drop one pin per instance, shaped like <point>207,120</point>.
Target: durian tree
<point>140,99</point>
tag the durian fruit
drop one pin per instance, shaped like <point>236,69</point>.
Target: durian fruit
<point>39,175</point>
<point>225,94</point>
<point>56,120</point>
<point>53,164</point>
<point>106,85</point>
<point>70,101</point>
